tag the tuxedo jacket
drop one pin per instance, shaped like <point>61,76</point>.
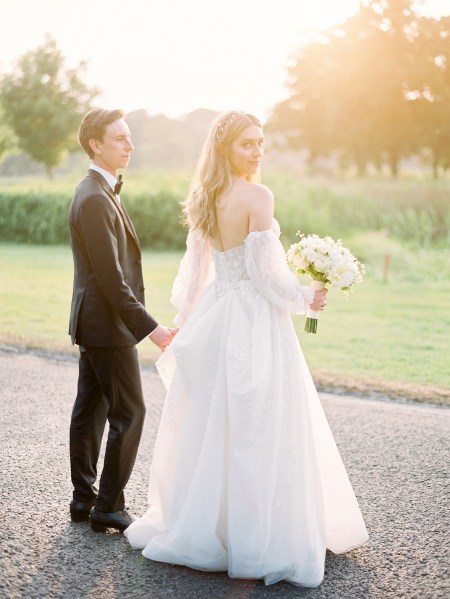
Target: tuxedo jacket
<point>108,289</point>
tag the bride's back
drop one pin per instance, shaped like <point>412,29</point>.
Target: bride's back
<point>241,210</point>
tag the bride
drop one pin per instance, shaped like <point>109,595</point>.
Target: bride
<point>246,477</point>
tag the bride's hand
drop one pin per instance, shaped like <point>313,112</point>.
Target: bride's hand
<point>320,300</point>
<point>173,332</point>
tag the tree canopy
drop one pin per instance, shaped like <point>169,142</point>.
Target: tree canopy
<point>7,140</point>
<point>43,103</point>
<point>374,89</point>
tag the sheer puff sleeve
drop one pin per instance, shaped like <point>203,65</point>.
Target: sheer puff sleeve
<point>268,270</point>
<point>196,271</point>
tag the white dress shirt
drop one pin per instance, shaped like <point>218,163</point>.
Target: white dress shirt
<point>110,179</point>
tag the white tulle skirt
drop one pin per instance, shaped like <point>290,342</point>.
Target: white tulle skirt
<point>246,477</point>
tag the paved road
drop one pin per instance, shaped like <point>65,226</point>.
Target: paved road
<point>396,456</point>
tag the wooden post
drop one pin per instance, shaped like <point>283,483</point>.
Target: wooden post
<point>387,262</point>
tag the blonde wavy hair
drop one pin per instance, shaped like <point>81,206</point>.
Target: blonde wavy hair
<point>213,174</point>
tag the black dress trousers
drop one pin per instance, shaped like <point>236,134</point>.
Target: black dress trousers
<point>109,388</point>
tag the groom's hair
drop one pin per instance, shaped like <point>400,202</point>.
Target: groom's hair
<point>94,124</point>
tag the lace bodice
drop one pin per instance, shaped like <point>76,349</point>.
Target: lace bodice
<point>230,265</point>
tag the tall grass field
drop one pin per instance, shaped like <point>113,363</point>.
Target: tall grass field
<point>391,337</point>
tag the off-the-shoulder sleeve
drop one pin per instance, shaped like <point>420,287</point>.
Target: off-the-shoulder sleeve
<point>268,270</point>
<point>195,272</point>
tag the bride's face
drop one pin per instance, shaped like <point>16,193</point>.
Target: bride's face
<point>246,152</point>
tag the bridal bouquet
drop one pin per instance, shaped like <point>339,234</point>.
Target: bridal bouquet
<point>328,262</point>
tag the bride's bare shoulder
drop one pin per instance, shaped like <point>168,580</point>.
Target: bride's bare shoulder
<point>257,195</point>
<point>260,207</point>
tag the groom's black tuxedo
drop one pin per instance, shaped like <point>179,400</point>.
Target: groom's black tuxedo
<point>107,319</point>
<point>108,289</point>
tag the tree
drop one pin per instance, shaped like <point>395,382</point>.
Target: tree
<point>43,103</point>
<point>358,90</point>
<point>7,139</point>
<point>430,93</point>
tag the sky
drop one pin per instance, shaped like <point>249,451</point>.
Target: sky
<point>175,56</point>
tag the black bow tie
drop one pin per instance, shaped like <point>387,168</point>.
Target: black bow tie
<point>118,185</point>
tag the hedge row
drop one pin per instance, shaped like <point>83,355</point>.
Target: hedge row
<point>39,217</point>
<point>409,213</point>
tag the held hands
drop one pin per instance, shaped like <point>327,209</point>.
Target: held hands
<point>320,300</point>
<point>162,336</point>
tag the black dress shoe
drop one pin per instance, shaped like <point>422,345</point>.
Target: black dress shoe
<point>80,510</point>
<point>120,520</point>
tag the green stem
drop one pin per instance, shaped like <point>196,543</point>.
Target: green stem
<point>311,325</point>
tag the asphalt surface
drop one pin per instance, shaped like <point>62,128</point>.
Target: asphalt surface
<point>397,457</point>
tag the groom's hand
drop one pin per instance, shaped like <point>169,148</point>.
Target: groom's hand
<point>162,336</point>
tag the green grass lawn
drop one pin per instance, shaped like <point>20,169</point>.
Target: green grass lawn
<point>389,335</point>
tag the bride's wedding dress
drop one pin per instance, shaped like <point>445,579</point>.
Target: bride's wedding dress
<point>246,476</point>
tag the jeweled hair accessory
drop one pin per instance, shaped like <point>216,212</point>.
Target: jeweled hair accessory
<point>226,122</point>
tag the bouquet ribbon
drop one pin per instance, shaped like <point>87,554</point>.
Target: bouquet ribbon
<point>311,315</point>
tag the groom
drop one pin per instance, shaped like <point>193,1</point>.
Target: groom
<point>107,320</point>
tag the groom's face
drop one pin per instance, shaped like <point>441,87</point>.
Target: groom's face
<point>114,151</point>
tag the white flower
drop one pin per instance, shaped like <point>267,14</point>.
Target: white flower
<point>321,264</point>
<point>328,258</point>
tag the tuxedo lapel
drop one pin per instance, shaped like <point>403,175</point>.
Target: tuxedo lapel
<point>129,221</point>
<point>126,219</point>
